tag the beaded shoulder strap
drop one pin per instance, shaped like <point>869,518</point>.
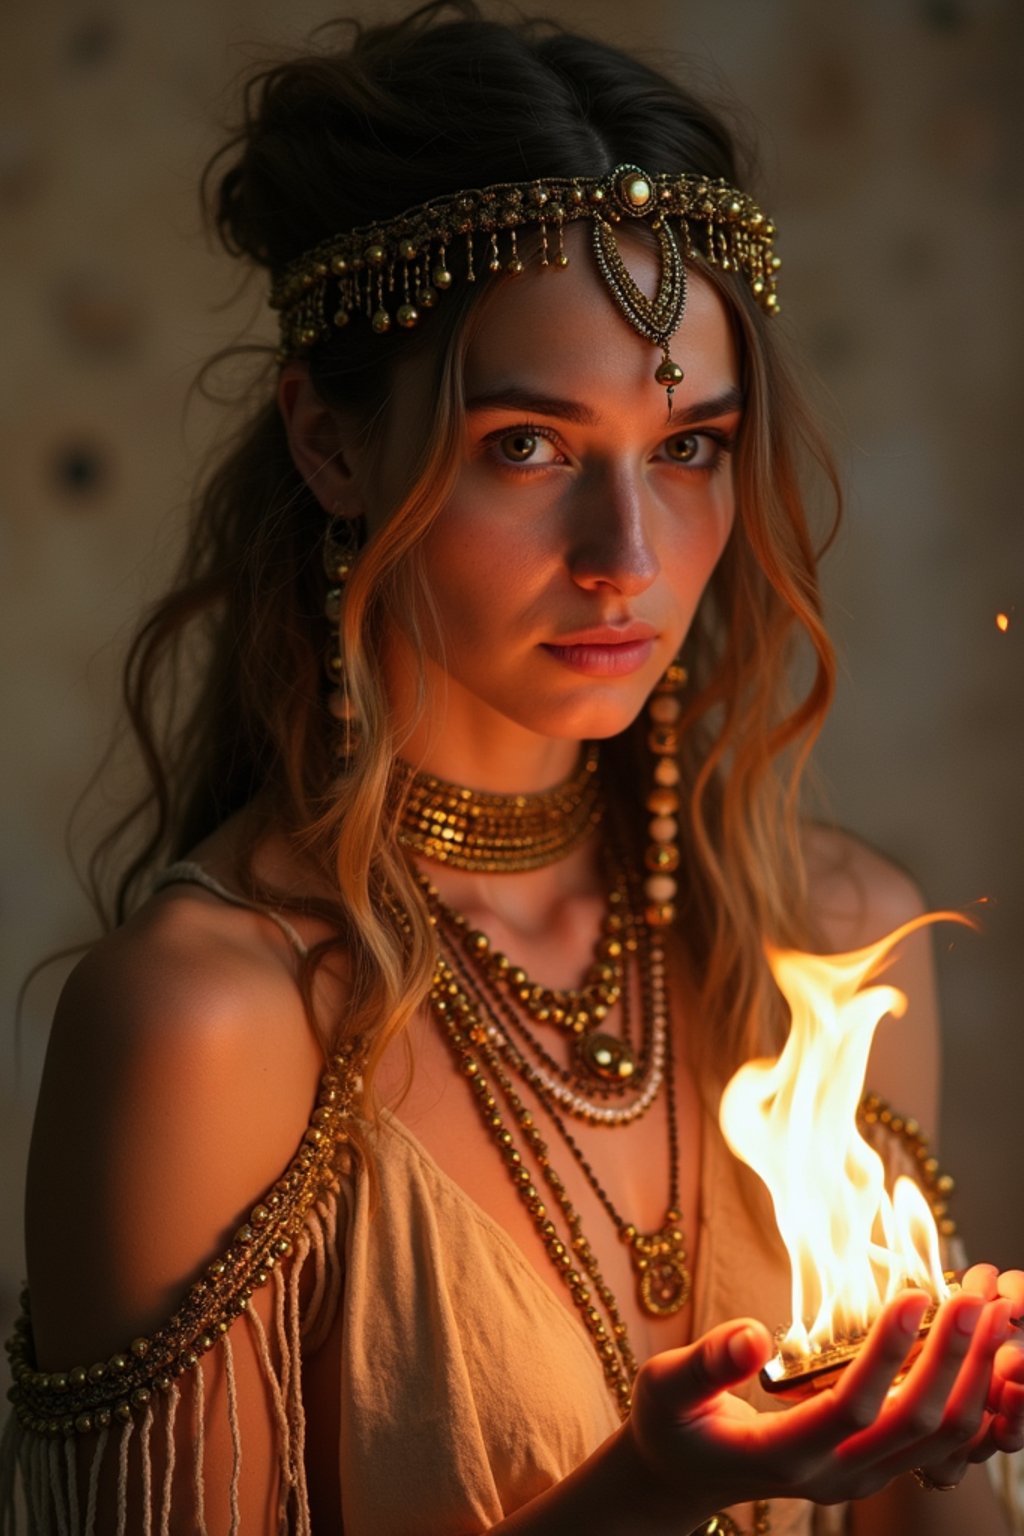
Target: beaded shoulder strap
<point>185,872</point>
<point>907,1133</point>
<point>93,1397</point>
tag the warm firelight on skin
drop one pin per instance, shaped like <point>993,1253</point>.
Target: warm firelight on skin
<point>1002,622</point>
<point>852,1243</point>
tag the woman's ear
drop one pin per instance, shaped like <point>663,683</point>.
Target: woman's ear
<point>323,444</point>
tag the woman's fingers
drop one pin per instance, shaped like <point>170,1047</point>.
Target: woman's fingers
<point>1011,1285</point>
<point>981,1280</point>
<point>682,1382</point>
<point>1006,1402</point>
<point>1007,1428</point>
<point>912,1412</point>
<point>963,1426</point>
<point>866,1384</point>
<point>939,1418</point>
<point>955,1369</point>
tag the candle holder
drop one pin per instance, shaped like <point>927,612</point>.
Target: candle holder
<point>800,1378</point>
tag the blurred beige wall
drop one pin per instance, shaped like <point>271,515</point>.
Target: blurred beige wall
<point>890,136</point>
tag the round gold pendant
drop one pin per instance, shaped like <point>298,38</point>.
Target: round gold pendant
<point>664,1285</point>
<point>606,1057</point>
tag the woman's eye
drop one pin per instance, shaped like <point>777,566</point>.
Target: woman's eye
<point>685,448</point>
<point>698,450</point>
<point>522,447</point>
<point>519,446</point>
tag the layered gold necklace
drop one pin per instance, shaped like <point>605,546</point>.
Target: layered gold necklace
<point>492,1010</point>
<point>604,1066</point>
<point>492,1013</point>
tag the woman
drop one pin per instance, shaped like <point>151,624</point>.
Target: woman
<point>509,1280</point>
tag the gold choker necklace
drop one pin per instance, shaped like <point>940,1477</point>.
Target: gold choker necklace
<point>500,834</point>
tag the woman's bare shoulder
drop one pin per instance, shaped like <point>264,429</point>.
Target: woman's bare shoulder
<point>857,893</point>
<point>179,1078</point>
<point>859,896</point>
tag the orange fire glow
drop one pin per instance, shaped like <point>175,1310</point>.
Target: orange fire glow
<point>852,1243</point>
<point>1002,622</point>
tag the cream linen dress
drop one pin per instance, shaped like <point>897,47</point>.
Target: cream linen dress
<point>467,1387</point>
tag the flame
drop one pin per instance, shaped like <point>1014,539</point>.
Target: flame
<point>1002,622</point>
<point>852,1244</point>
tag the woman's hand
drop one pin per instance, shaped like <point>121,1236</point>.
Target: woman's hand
<point>1001,1420</point>
<point>961,1400</point>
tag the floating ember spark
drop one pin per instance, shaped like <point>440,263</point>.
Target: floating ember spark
<point>1002,622</point>
<point>852,1244</point>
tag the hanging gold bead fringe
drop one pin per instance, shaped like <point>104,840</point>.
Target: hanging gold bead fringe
<point>396,269</point>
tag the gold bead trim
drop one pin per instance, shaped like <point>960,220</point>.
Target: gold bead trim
<point>87,1398</point>
<point>937,1186</point>
<point>389,273</point>
<point>494,834</point>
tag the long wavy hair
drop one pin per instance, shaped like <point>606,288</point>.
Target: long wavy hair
<point>374,120</point>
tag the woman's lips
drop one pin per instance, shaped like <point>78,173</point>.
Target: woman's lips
<point>604,658</point>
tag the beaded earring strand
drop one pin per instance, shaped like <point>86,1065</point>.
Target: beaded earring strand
<point>662,856</point>
<point>342,543</point>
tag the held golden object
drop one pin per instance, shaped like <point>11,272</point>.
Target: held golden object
<point>394,270</point>
<point>798,1379</point>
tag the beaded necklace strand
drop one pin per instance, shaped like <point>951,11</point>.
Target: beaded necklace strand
<point>489,1010</point>
<point>658,1258</point>
<point>604,1064</point>
<point>452,1005</point>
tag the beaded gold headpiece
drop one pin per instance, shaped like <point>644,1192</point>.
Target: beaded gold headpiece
<point>390,272</point>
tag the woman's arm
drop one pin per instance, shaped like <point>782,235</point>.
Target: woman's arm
<point>179,1079</point>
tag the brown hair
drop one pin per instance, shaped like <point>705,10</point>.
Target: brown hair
<point>336,138</point>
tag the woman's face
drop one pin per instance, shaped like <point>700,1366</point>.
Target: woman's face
<point>568,563</point>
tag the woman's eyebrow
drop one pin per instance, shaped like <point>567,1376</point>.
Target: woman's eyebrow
<point>726,404</point>
<point>512,397</point>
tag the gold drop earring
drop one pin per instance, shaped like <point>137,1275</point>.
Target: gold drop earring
<point>342,542</point>
<point>662,856</point>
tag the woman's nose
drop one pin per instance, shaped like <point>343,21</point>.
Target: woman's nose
<point>610,540</point>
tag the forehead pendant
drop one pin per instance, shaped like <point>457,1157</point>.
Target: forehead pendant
<point>656,319</point>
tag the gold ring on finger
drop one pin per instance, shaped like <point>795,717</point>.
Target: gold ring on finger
<point>925,1480</point>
